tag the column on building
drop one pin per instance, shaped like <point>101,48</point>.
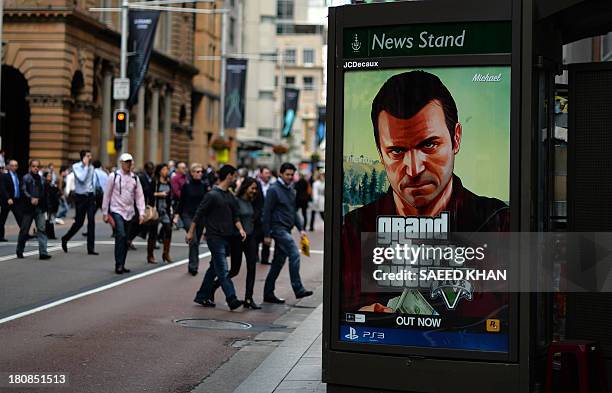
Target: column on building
<point>80,128</point>
<point>154,129</point>
<point>167,126</point>
<point>106,124</point>
<point>140,120</point>
<point>49,132</point>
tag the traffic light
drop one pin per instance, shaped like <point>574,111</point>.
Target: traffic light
<point>120,122</point>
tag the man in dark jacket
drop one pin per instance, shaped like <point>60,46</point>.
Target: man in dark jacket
<point>279,218</point>
<point>192,193</point>
<point>33,190</point>
<point>219,214</point>
<point>10,197</point>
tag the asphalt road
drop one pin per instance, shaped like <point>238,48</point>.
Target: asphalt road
<point>118,335</point>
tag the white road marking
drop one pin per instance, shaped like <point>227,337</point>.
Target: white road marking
<point>99,289</point>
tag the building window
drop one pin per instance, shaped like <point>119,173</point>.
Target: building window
<point>309,56</point>
<point>284,9</point>
<point>267,19</point>
<point>606,47</point>
<point>266,95</point>
<point>232,31</point>
<point>290,81</point>
<point>289,56</point>
<point>265,132</point>
<point>308,83</point>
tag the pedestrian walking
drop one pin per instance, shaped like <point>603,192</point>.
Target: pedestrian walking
<point>192,193</point>
<point>246,213</point>
<point>264,181</point>
<point>33,188</point>
<point>145,177</point>
<point>123,192</point>
<point>10,197</point>
<point>318,199</point>
<point>162,201</point>
<point>100,182</point>
<point>52,193</point>
<point>85,202</point>
<point>219,213</point>
<point>177,181</point>
<point>302,197</point>
<point>279,218</point>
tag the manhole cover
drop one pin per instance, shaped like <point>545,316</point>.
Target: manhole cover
<point>213,324</point>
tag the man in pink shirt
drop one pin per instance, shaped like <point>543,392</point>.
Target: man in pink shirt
<point>123,189</point>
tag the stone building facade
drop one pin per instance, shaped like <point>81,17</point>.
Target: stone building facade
<point>58,65</point>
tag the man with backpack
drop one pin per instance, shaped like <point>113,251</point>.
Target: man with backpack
<point>123,190</point>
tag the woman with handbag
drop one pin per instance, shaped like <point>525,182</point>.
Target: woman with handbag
<point>162,202</point>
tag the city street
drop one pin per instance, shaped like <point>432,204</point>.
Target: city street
<point>119,333</point>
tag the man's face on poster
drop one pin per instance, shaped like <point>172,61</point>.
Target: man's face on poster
<point>418,153</point>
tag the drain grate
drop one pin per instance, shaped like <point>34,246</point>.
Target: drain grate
<point>199,323</point>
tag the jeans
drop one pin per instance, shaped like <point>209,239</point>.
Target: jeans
<point>121,239</point>
<point>63,208</point>
<point>194,246</point>
<point>285,247</point>
<point>85,205</point>
<point>38,216</point>
<point>218,269</point>
<point>249,248</point>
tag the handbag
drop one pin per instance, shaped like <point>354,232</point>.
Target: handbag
<point>150,214</point>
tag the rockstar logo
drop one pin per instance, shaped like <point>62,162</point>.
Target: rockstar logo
<point>451,292</point>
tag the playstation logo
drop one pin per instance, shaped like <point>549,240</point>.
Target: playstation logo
<point>352,334</point>
<point>356,45</point>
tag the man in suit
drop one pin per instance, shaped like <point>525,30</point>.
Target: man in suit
<point>10,197</point>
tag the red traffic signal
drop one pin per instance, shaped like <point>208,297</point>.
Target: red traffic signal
<point>120,123</point>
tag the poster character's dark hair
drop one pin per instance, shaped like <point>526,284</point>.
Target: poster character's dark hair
<point>287,166</point>
<point>225,171</point>
<point>405,94</point>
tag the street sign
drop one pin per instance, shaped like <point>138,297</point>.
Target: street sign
<point>121,88</point>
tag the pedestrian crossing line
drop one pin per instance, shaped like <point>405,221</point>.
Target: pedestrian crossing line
<point>99,289</point>
<point>35,252</point>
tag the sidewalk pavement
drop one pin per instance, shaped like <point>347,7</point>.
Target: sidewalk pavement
<point>295,366</point>
<point>276,360</point>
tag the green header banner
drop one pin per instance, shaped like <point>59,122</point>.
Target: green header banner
<point>428,39</point>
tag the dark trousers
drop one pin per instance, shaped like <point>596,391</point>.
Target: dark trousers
<point>38,216</point>
<point>304,210</point>
<point>122,229</point>
<point>284,248</point>
<point>313,214</point>
<point>249,248</point>
<point>17,210</point>
<point>265,249</point>
<point>85,205</point>
<point>218,269</point>
<point>194,246</point>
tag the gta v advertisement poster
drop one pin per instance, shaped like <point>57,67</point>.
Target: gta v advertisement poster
<point>426,164</point>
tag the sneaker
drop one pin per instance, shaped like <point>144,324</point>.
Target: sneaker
<point>205,302</point>
<point>59,221</point>
<point>44,257</point>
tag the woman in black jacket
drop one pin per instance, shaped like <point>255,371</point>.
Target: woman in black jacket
<point>161,199</point>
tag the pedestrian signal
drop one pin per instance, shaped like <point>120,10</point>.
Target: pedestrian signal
<point>120,124</point>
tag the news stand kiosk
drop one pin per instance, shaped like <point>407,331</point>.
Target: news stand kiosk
<point>483,71</point>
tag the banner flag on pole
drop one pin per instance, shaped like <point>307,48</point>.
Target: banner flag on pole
<point>142,26</point>
<point>235,88</point>
<point>322,111</point>
<point>290,107</point>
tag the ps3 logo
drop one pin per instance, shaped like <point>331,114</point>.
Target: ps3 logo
<point>356,44</point>
<point>352,334</point>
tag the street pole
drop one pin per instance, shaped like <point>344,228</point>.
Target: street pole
<point>223,76</point>
<point>123,66</point>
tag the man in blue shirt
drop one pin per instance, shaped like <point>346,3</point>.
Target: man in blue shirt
<point>85,202</point>
<point>279,218</point>
<point>10,196</point>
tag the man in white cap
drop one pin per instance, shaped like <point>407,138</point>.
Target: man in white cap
<point>123,189</point>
